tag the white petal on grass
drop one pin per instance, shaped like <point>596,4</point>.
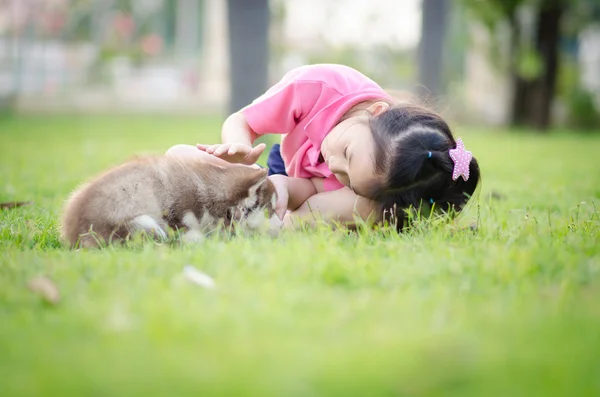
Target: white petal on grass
<point>198,277</point>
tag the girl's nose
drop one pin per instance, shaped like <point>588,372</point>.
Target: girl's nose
<point>337,164</point>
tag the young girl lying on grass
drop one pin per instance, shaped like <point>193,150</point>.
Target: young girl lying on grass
<point>347,149</point>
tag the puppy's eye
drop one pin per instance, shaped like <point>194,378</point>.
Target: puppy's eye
<point>252,209</point>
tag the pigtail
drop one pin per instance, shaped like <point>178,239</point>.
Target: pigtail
<point>446,194</point>
<point>412,150</point>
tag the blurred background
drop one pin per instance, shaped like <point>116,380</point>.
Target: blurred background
<point>534,63</point>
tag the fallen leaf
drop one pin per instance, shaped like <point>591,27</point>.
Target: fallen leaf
<point>197,277</point>
<point>44,287</point>
<point>496,195</point>
<point>14,204</point>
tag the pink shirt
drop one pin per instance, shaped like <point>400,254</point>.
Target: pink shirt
<point>305,105</point>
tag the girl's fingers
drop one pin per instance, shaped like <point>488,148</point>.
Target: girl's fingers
<point>233,150</point>
<point>228,149</point>
<point>256,152</point>
<point>260,148</point>
<point>281,209</point>
<point>222,149</point>
<point>282,195</point>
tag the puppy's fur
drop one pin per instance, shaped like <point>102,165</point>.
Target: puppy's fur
<point>151,193</point>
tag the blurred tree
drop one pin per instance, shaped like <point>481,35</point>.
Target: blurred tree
<point>169,21</point>
<point>431,49</point>
<point>534,93</point>
<point>248,22</point>
<point>534,50</point>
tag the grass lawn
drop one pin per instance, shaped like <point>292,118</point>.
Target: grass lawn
<point>510,310</point>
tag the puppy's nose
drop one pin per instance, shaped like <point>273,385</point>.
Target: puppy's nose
<point>238,214</point>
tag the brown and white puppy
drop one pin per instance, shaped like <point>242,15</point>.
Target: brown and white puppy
<point>151,193</point>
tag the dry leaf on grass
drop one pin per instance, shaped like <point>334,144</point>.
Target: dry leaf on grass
<point>45,288</point>
<point>14,204</point>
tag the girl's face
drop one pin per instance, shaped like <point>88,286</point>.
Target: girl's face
<point>349,152</point>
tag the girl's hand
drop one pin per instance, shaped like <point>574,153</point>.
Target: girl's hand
<point>281,187</point>
<point>234,152</point>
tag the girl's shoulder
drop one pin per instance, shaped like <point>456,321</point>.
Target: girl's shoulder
<point>342,78</point>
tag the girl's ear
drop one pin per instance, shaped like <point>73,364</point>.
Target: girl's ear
<point>377,108</point>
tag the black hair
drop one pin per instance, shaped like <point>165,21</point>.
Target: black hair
<point>404,137</point>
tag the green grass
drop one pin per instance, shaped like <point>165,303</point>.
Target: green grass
<point>510,310</point>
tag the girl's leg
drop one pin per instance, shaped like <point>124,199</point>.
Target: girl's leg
<point>275,162</point>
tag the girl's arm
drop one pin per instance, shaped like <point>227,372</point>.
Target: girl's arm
<point>296,190</point>
<point>278,111</point>
<point>236,130</point>
<point>341,205</point>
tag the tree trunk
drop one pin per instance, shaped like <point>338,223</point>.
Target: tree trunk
<point>248,22</point>
<point>520,85</point>
<point>547,45</point>
<point>532,100</point>
<point>431,49</point>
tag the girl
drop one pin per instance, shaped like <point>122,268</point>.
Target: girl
<point>347,149</point>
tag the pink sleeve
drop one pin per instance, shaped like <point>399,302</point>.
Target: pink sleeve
<point>282,107</point>
<point>331,183</point>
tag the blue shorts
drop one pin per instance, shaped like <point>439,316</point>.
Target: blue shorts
<point>275,162</point>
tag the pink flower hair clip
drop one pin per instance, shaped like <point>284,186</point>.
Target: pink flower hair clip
<point>462,159</point>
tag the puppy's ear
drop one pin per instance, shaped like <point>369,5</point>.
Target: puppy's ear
<point>256,181</point>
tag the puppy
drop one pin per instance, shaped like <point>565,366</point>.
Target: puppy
<point>153,193</point>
